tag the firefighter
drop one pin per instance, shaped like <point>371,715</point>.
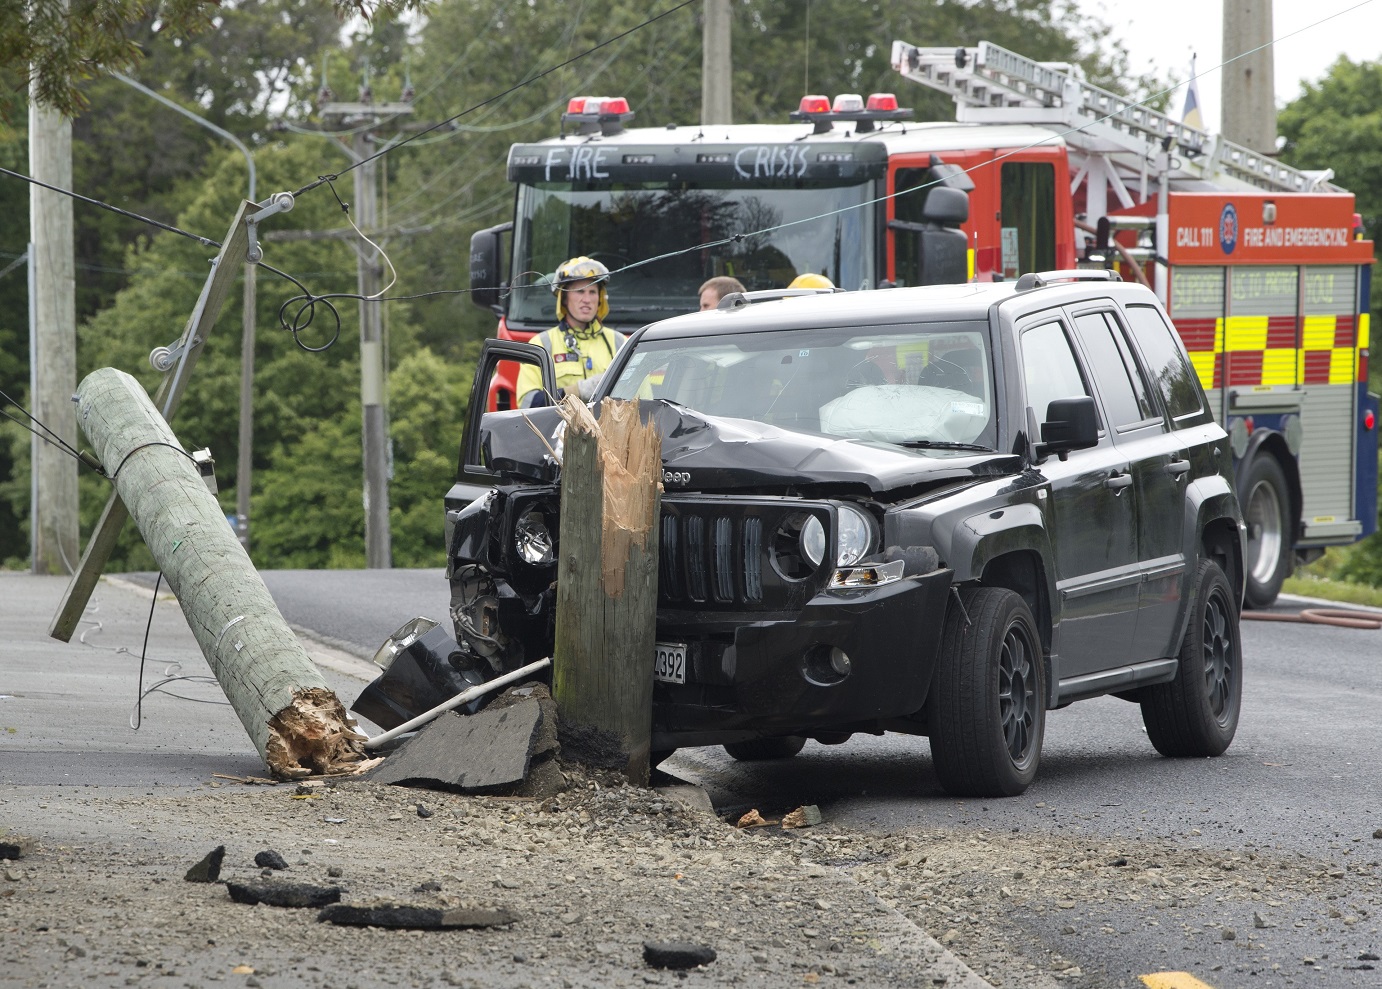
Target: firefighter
<point>716,289</point>
<point>580,345</point>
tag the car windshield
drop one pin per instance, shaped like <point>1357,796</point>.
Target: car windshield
<point>634,222</point>
<point>916,384</point>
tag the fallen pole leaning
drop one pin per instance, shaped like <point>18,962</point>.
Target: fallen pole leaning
<point>295,721</point>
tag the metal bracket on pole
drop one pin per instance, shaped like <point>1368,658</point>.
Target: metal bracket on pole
<point>279,202</point>
<point>199,325</point>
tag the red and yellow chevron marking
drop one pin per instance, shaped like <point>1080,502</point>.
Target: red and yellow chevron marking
<point>1249,351</point>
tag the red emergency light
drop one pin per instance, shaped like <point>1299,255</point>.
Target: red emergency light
<point>1369,420</point>
<point>819,110</point>
<point>597,114</point>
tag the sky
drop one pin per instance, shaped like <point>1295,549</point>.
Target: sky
<point>1163,34</point>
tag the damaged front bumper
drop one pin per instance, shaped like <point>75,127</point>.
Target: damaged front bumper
<point>849,660</point>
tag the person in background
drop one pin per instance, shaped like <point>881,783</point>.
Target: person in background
<point>580,345</point>
<point>811,280</point>
<point>716,289</point>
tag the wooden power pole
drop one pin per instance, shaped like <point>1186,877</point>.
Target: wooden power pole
<point>294,720</point>
<point>52,340</point>
<point>717,69</point>
<point>606,612</point>
<point>1249,86</point>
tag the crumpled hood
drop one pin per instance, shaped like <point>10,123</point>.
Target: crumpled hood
<point>709,453</point>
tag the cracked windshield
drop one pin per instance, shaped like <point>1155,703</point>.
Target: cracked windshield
<point>923,385</point>
<point>636,222</point>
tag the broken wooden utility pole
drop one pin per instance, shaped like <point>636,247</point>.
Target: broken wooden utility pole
<point>606,613</point>
<point>296,722</point>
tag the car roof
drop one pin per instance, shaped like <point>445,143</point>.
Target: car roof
<point>932,303</point>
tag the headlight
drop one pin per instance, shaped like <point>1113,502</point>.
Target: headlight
<point>855,538</point>
<point>813,541</point>
<point>533,540</point>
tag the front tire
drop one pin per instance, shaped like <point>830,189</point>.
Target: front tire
<point>1196,714</point>
<point>1266,510</point>
<point>987,706</point>
<point>763,749</point>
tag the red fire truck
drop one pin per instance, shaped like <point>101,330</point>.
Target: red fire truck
<point>1261,266</point>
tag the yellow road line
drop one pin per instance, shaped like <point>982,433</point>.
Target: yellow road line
<point>1173,980</point>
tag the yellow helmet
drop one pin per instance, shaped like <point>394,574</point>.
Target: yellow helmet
<point>811,280</point>
<point>581,269</point>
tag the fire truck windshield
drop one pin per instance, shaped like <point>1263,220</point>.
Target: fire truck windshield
<point>631,222</point>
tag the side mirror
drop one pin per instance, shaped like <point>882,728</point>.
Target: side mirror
<point>486,261</point>
<point>1071,424</point>
<point>946,206</point>
<point>939,251</point>
<point>473,464</point>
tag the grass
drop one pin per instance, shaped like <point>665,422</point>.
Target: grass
<point>1308,585</point>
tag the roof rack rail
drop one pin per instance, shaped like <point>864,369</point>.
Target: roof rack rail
<point>1040,279</point>
<point>737,300</point>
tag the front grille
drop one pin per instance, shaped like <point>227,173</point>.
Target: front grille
<point>716,552</point>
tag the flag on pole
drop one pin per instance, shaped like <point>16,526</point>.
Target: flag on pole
<point>1190,116</point>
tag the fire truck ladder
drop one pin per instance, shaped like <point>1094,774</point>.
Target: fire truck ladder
<point>1114,136</point>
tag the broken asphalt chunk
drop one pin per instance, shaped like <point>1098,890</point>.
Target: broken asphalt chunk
<point>277,893</point>
<point>803,817</point>
<point>270,859</point>
<point>208,870</point>
<point>677,954</point>
<point>15,846</point>
<point>435,914</point>
<point>467,752</point>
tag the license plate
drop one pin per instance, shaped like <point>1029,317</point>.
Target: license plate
<point>669,664</point>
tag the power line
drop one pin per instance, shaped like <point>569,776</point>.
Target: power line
<point>512,89</point>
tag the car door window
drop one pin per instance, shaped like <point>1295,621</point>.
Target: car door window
<point>1166,363</point>
<point>1120,380</point>
<point>1049,367</point>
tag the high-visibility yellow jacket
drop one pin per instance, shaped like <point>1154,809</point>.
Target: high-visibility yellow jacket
<point>576,355</point>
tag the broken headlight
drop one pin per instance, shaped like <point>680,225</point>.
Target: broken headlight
<point>406,635</point>
<point>533,540</point>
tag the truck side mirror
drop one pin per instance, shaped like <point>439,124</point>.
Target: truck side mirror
<point>941,253</point>
<point>1071,424</point>
<point>486,271</point>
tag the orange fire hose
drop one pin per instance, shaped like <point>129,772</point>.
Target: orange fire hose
<point>1340,617</point>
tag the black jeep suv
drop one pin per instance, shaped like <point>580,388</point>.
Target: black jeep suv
<point>942,511</point>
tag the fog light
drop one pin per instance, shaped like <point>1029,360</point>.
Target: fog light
<point>408,633</point>
<point>825,665</point>
<point>839,661</point>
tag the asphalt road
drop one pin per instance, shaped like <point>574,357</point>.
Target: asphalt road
<point>1303,779</point>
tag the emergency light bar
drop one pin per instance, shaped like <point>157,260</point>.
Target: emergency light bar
<point>820,111</point>
<point>597,114</point>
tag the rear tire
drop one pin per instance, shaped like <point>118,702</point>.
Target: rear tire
<point>1266,510</point>
<point>1196,714</point>
<point>987,706</point>
<point>763,749</point>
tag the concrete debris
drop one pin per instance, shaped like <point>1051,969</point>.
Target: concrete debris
<point>15,846</point>
<point>277,893</point>
<point>439,913</point>
<point>270,859</point>
<point>208,870</point>
<point>506,749</point>
<point>803,817</point>
<point>752,819</point>
<point>677,954</point>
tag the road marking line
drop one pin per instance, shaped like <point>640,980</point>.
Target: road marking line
<point>1173,980</point>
